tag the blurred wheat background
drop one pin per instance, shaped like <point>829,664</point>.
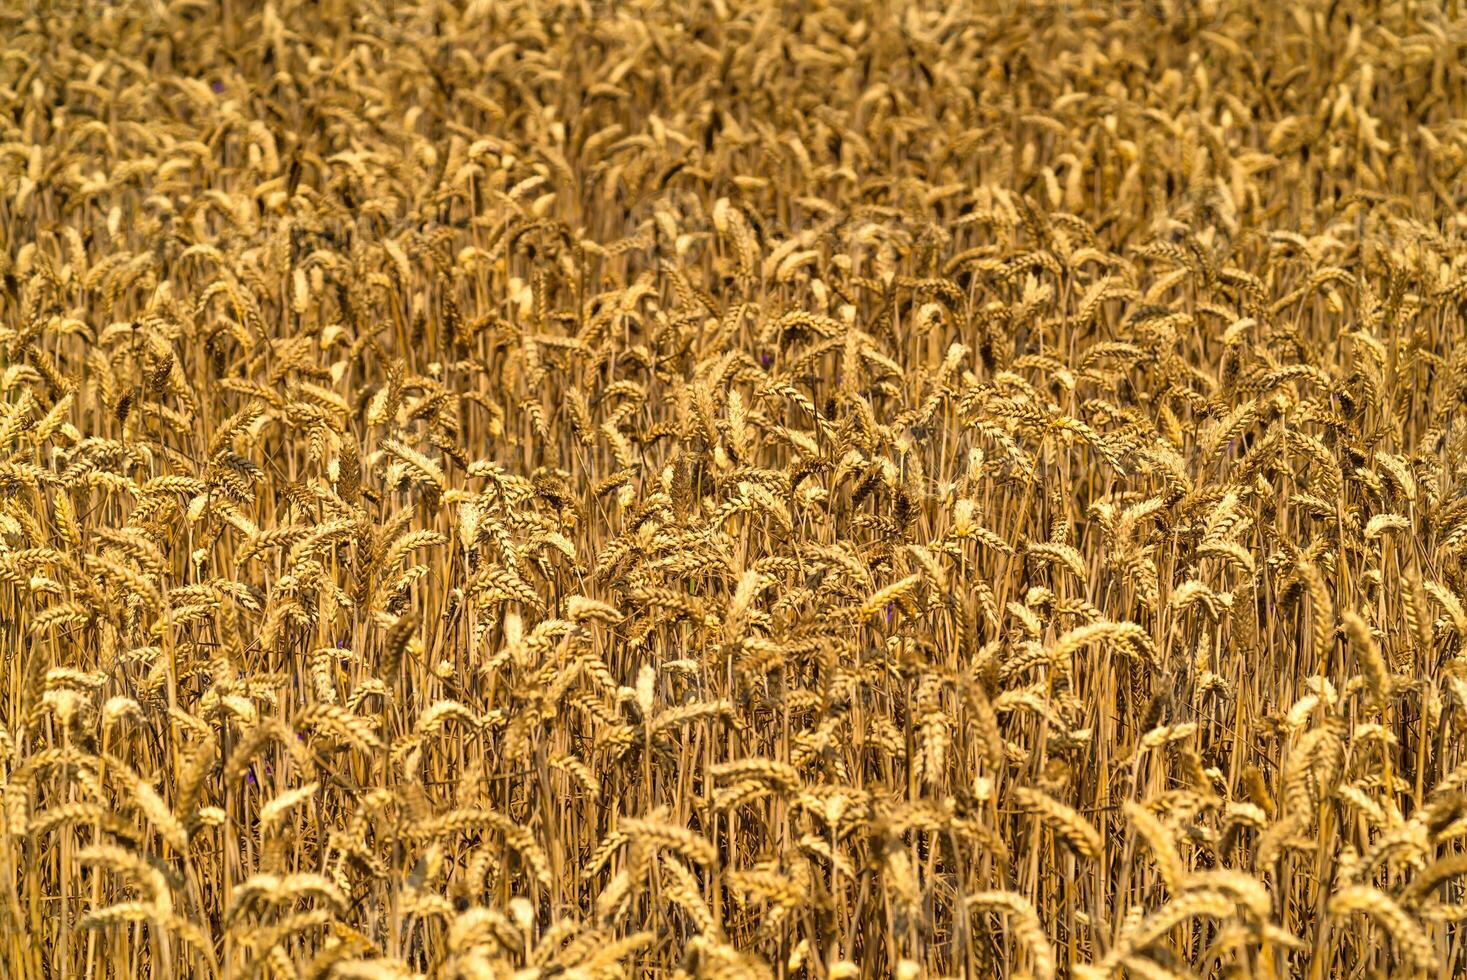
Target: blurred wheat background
<point>733,488</point>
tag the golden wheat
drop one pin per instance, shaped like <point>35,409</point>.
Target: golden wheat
<point>723,488</point>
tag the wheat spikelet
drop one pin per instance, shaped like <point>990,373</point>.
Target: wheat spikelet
<point>1406,934</point>
<point>1063,820</point>
<point>1026,922</point>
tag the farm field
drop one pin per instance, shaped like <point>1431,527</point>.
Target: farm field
<point>723,488</point>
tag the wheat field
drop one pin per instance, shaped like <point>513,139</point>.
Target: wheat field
<point>732,488</point>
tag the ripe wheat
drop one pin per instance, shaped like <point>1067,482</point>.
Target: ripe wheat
<point>726,488</point>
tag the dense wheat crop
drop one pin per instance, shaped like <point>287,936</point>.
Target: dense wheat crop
<point>747,489</point>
